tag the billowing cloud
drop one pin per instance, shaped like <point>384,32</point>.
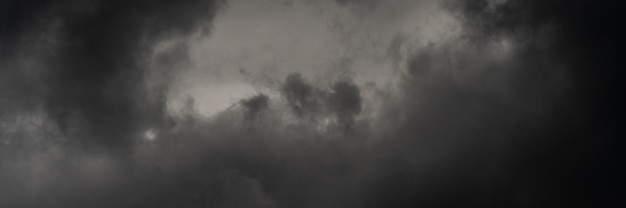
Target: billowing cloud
<point>481,104</point>
<point>91,68</point>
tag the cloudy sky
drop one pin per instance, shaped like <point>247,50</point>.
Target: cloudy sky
<point>309,103</point>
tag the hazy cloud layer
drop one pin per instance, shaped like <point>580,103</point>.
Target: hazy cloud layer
<point>481,104</point>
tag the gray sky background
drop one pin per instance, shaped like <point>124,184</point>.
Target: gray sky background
<point>304,103</point>
<point>255,44</point>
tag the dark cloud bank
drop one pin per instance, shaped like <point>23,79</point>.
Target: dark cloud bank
<point>537,128</point>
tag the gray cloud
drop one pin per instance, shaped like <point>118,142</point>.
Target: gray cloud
<point>255,105</point>
<point>507,114</point>
<point>94,70</point>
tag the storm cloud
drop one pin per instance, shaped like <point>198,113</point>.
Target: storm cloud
<point>408,104</point>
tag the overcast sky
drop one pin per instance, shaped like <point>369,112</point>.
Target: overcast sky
<point>304,103</point>
<point>254,44</point>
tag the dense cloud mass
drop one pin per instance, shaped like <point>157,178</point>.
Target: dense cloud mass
<point>512,104</point>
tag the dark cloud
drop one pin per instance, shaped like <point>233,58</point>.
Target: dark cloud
<point>345,101</point>
<point>582,36</point>
<point>94,72</point>
<point>472,123</point>
<point>255,105</point>
<point>342,100</point>
<point>302,97</point>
